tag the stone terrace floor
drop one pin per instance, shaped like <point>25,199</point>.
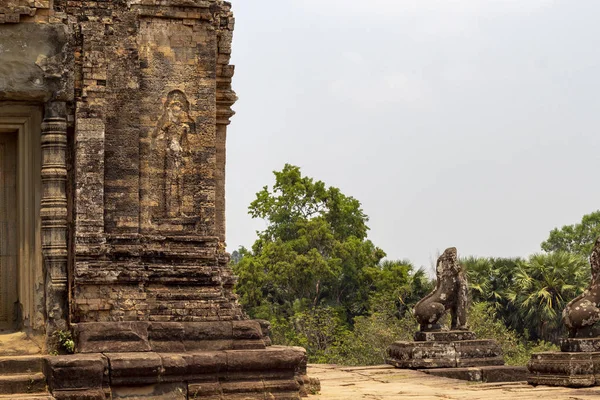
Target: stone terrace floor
<point>385,382</point>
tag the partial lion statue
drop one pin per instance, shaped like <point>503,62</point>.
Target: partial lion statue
<point>582,313</point>
<point>450,293</point>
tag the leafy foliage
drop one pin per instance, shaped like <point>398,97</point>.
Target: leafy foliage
<point>65,341</point>
<point>486,324</point>
<point>314,274</point>
<point>367,343</point>
<point>542,287</point>
<point>316,329</point>
<point>313,252</point>
<point>490,277</point>
<point>323,285</point>
<point>528,295</point>
<point>489,281</point>
<point>577,238</point>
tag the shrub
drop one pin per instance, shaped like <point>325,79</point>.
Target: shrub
<point>517,350</point>
<point>317,329</point>
<point>367,343</point>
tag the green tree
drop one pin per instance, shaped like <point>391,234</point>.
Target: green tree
<point>490,277</point>
<point>541,288</point>
<point>397,285</point>
<point>578,238</point>
<point>237,255</point>
<point>314,251</point>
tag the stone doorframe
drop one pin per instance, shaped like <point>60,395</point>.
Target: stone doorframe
<point>42,219</point>
<point>26,122</point>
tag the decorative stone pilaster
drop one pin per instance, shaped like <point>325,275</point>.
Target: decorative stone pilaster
<point>226,97</point>
<point>54,217</point>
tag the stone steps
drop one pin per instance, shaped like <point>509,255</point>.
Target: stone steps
<point>20,365</point>
<point>491,374</point>
<point>21,377</point>
<point>23,383</point>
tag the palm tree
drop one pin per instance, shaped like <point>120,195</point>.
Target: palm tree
<point>541,287</point>
<point>489,279</point>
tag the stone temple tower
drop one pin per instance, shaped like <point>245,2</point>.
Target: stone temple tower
<point>113,119</point>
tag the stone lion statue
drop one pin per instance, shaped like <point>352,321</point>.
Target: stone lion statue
<point>450,293</point>
<point>582,313</point>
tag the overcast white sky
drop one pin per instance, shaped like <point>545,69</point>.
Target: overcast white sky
<point>467,123</point>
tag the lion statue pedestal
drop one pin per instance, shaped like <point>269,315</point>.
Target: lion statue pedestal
<point>452,352</point>
<point>578,362</point>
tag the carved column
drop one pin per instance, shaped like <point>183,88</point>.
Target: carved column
<point>54,216</point>
<point>226,97</point>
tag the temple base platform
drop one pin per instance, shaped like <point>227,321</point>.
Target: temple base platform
<point>445,349</point>
<point>570,369</point>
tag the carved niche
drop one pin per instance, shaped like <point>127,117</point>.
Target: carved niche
<point>174,177</point>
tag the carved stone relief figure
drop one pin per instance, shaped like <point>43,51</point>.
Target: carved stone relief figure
<point>450,293</point>
<point>171,141</point>
<point>583,312</point>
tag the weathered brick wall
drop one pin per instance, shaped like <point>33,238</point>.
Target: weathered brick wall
<point>148,90</point>
<point>149,239</point>
<point>179,56</point>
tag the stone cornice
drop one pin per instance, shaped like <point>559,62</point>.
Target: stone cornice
<point>12,10</point>
<point>174,3</point>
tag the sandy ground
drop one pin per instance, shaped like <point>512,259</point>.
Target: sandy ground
<point>19,344</point>
<point>386,382</point>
